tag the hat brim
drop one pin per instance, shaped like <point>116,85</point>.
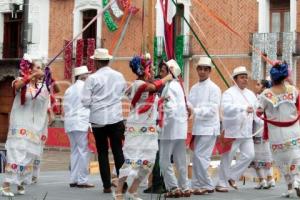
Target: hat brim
<point>240,73</point>
<point>204,65</point>
<point>103,58</point>
<point>89,72</point>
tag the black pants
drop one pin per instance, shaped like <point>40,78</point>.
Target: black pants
<point>157,178</point>
<point>115,134</point>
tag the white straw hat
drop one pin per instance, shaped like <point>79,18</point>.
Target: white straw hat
<point>176,69</point>
<point>101,54</point>
<point>205,61</point>
<point>81,70</point>
<point>239,70</point>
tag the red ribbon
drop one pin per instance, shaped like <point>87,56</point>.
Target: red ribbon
<point>277,123</point>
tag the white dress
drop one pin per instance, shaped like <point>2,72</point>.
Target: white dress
<point>284,141</point>
<point>141,138</point>
<point>26,135</point>
<point>263,155</point>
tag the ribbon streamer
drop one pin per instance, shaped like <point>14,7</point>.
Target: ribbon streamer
<point>116,10</point>
<point>111,25</point>
<point>47,69</point>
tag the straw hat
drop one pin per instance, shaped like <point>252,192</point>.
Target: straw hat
<point>239,70</point>
<point>205,61</point>
<point>176,69</point>
<point>101,54</point>
<point>81,70</point>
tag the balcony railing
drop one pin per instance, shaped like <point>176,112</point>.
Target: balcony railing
<point>277,41</point>
<point>284,46</point>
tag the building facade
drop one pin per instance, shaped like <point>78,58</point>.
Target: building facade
<point>268,25</point>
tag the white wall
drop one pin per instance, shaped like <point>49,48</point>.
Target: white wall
<point>39,18</point>
<point>293,15</point>
<point>81,5</point>
<point>263,16</point>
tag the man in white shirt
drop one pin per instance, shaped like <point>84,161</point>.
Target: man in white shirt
<point>237,105</point>
<point>205,99</point>
<point>102,94</point>
<point>173,136</point>
<point>76,124</point>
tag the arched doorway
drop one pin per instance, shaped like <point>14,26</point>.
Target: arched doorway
<point>6,101</point>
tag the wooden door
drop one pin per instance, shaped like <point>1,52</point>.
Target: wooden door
<point>6,101</point>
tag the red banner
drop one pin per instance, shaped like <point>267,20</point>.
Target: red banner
<point>58,138</point>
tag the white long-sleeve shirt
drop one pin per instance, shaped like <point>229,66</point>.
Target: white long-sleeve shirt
<point>205,99</point>
<point>175,113</point>
<point>236,121</point>
<point>102,94</point>
<point>76,115</point>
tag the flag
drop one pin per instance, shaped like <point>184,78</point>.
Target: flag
<point>165,12</point>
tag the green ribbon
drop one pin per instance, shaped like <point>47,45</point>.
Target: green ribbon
<point>203,47</point>
<point>111,25</point>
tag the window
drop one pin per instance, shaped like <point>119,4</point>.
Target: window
<point>12,41</point>
<point>280,16</point>
<point>178,21</point>
<point>91,31</point>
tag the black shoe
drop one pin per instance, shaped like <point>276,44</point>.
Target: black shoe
<point>155,190</point>
<point>125,187</point>
<point>73,185</point>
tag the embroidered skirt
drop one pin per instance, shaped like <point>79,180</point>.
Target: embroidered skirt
<point>139,150</point>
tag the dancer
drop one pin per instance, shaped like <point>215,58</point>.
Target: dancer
<point>262,162</point>
<point>238,107</point>
<point>102,94</point>
<point>280,106</point>
<point>205,97</point>
<point>28,126</point>
<point>76,122</point>
<point>173,136</point>
<point>141,136</point>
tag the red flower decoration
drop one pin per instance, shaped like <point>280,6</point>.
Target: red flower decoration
<point>22,131</point>
<point>269,95</point>
<point>145,162</point>
<point>151,129</point>
<point>293,167</point>
<point>43,138</point>
<point>14,166</point>
<point>68,60</point>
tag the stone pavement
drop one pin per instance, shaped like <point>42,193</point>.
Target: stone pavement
<point>54,181</point>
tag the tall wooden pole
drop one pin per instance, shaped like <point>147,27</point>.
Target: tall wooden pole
<point>150,24</point>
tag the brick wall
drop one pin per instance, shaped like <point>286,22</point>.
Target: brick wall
<point>60,25</point>
<point>242,15</point>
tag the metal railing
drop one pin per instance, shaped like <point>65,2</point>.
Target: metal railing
<point>282,41</point>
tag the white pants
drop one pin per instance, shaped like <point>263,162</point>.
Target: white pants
<point>204,145</point>
<point>79,157</point>
<point>234,172</point>
<point>177,148</point>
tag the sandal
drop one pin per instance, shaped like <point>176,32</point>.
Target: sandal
<point>200,191</point>
<point>287,194</point>
<point>221,189</point>
<point>118,196</point>
<point>132,196</point>
<point>174,193</point>
<point>34,180</point>
<point>232,184</point>
<point>186,193</point>
<point>21,190</point>
<point>6,192</point>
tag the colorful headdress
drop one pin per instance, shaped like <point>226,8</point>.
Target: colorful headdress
<point>25,64</point>
<point>279,71</point>
<point>140,65</point>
